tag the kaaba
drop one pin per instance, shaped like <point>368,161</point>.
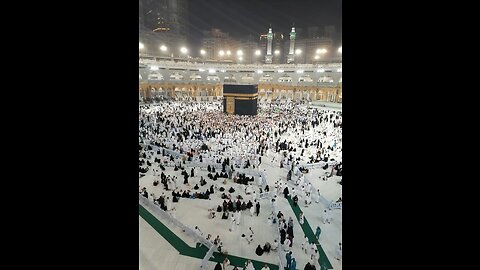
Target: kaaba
<point>240,99</point>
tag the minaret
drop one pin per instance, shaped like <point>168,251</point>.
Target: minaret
<point>268,56</point>
<point>291,51</point>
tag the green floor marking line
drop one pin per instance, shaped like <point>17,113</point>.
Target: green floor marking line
<point>307,230</point>
<point>171,237</point>
<point>198,252</point>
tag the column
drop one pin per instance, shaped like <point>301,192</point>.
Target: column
<point>269,56</point>
<point>291,51</point>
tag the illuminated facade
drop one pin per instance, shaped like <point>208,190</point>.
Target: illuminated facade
<point>204,81</point>
<point>164,16</point>
<point>215,41</point>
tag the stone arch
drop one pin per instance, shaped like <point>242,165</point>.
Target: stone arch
<point>306,95</point>
<point>282,94</point>
<point>290,94</point>
<point>217,92</point>
<point>202,93</point>
<point>297,95</point>
<point>320,95</point>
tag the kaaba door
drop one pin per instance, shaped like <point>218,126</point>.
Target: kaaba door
<point>230,105</point>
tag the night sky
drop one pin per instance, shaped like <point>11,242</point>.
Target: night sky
<point>242,17</point>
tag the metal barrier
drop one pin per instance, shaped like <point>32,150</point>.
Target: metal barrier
<point>205,163</point>
<point>207,257</point>
<point>336,205</point>
<point>167,151</point>
<point>316,165</point>
<point>265,195</point>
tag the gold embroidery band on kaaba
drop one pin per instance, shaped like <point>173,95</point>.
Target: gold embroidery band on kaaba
<point>239,95</point>
<point>246,98</point>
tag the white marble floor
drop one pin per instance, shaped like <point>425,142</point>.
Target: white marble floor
<point>194,213</point>
<point>157,253</point>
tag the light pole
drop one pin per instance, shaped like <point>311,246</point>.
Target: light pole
<point>221,53</point>
<point>184,51</point>
<point>240,55</point>
<point>257,54</point>
<point>163,48</point>
<point>319,52</point>
<point>228,53</point>
<point>298,52</point>
<point>276,53</point>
